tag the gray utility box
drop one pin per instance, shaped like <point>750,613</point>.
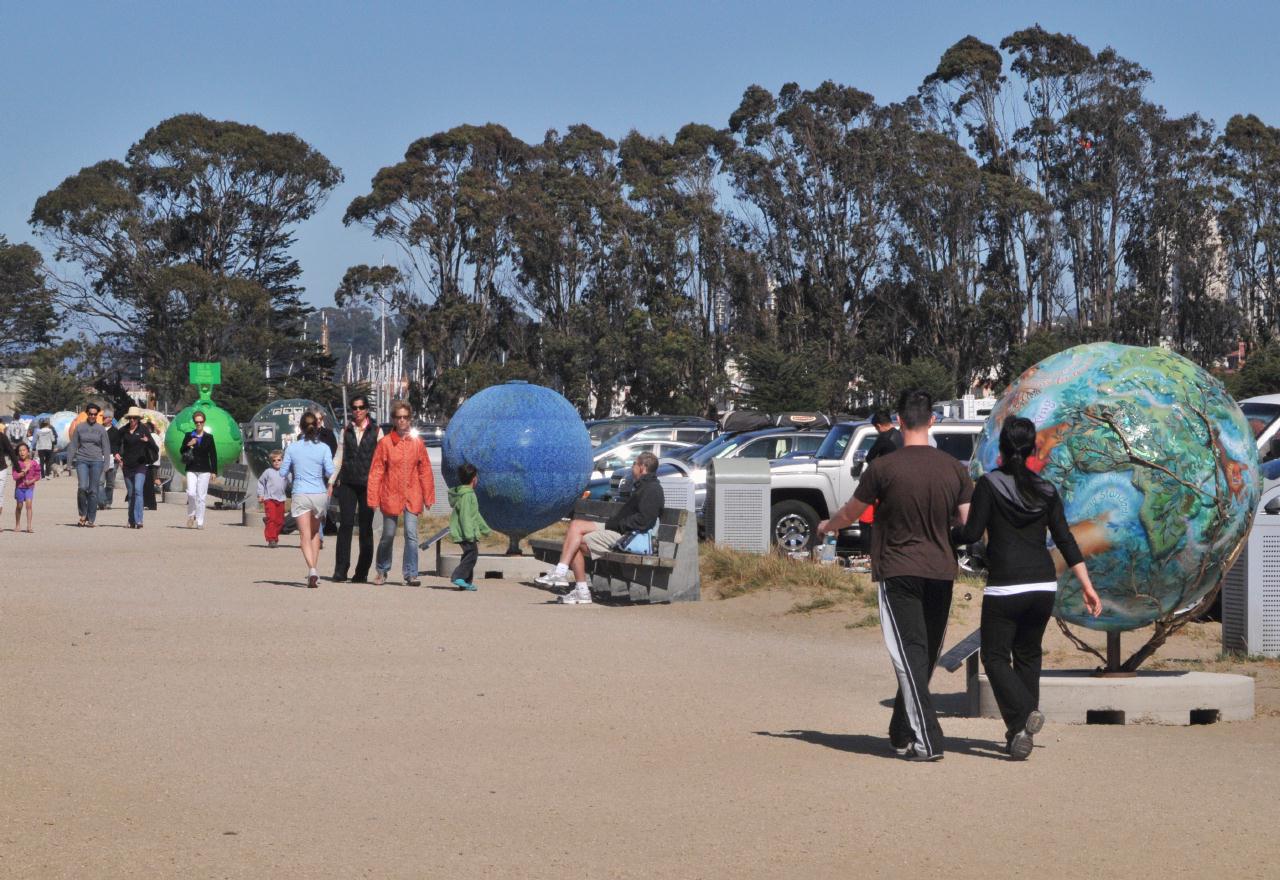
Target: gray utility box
<point>677,492</point>
<point>1251,589</point>
<point>737,513</point>
<point>441,507</point>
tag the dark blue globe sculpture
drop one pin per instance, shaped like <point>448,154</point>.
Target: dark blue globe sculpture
<point>531,449</point>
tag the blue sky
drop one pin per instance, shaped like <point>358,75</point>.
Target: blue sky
<point>360,81</point>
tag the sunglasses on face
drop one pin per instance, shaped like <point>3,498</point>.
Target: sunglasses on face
<point>358,406</point>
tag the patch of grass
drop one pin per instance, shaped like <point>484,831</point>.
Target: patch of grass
<point>494,542</point>
<point>729,573</point>
<point>872,619</point>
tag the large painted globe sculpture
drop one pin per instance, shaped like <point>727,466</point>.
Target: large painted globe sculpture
<point>276,426</point>
<point>1157,469</point>
<point>217,422</point>
<point>61,422</point>
<point>531,449</point>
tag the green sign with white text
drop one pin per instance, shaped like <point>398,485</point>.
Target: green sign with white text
<point>199,373</point>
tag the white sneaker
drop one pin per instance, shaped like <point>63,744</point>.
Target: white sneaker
<point>551,579</point>
<point>576,596</point>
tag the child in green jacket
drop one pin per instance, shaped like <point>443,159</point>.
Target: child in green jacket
<point>466,525</point>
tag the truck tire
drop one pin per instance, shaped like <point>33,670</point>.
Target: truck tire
<point>795,525</point>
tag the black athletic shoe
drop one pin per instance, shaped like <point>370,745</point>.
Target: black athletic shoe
<point>1035,722</point>
<point>339,578</point>
<point>916,752</point>
<point>1020,746</point>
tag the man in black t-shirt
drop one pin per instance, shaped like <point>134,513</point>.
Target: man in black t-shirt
<point>918,492</point>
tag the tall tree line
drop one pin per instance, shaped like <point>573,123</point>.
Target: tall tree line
<point>824,246</point>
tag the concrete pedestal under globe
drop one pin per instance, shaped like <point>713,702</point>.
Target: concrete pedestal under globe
<point>489,566</point>
<point>1079,697</point>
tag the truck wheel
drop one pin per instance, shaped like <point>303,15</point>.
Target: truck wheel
<point>795,525</point>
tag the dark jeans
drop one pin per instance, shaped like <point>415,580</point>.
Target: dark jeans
<point>913,616</point>
<point>90,475</point>
<point>467,566</point>
<point>46,462</point>
<point>353,509</point>
<point>1012,630</point>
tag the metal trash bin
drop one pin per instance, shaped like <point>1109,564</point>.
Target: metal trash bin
<point>1251,589</point>
<point>737,513</point>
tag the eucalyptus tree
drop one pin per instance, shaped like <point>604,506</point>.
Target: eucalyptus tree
<point>445,207</point>
<point>183,248</point>
<point>28,316</point>
<point>1249,152</point>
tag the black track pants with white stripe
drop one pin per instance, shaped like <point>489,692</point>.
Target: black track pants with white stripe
<point>913,616</point>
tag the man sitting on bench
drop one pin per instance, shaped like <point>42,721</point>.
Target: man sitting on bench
<point>639,514</point>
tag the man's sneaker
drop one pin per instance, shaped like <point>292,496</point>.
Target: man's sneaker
<point>903,751</point>
<point>576,596</point>
<point>916,752</point>
<point>1020,746</point>
<point>1035,722</point>
<point>551,579</point>
<point>464,585</point>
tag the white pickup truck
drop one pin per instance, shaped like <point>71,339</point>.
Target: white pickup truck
<point>805,491</point>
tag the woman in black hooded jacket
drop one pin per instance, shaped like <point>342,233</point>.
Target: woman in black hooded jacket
<point>1016,508</point>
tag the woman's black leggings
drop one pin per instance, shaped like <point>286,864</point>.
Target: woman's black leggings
<point>1012,629</point>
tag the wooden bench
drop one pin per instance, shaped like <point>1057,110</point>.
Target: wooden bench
<point>668,575</point>
<point>231,487</point>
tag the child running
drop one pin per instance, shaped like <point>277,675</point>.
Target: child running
<point>271,493</point>
<point>25,474</point>
<point>466,525</point>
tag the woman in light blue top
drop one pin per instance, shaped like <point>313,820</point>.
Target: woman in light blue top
<point>310,463</point>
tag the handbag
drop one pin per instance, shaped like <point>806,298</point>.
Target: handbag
<point>635,542</point>
<point>151,449</point>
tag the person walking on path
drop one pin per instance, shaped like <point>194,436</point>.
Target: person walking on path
<point>402,486</point>
<point>46,439</point>
<point>918,492</point>
<point>138,449</point>
<point>272,486</point>
<point>200,455</point>
<point>639,514</point>
<point>88,451</point>
<point>355,457</point>
<point>26,472</point>
<point>8,462</point>
<point>309,464</point>
<point>466,525</point>
<point>109,475</point>
<point>1015,508</point>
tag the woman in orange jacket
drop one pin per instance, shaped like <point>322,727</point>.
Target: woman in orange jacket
<point>400,485</point>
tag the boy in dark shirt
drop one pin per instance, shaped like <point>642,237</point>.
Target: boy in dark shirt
<point>918,492</point>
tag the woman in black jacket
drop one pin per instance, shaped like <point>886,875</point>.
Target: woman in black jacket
<point>1016,508</point>
<point>138,449</point>
<point>200,456</point>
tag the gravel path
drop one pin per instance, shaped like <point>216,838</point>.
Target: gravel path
<point>174,704</point>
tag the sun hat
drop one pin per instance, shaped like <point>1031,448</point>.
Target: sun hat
<point>135,413</point>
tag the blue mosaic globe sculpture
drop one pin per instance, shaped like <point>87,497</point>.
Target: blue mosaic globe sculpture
<point>531,449</point>
<point>1157,468</point>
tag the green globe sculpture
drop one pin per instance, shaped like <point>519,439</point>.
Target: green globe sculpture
<point>217,422</point>
<point>1158,473</point>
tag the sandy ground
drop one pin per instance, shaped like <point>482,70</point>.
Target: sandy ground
<point>173,704</point>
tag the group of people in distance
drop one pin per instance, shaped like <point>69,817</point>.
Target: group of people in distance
<point>924,504</point>
<point>372,469</point>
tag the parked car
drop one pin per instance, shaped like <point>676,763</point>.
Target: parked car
<point>768,443</point>
<point>603,431</point>
<point>608,460</point>
<point>806,491</point>
<point>1263,415</point>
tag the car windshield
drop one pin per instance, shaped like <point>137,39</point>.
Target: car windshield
<point>699,456</point>
<point>836,443</point>
<point>1260,415</point>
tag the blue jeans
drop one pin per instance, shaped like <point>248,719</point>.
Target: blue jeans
<point>410,544</point>
<point>90,475</point>
<point>135,484</point>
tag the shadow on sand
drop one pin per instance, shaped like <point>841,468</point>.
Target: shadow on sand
<point>878,746</point>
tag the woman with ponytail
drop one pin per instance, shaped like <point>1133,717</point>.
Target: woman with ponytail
<point>311,464</point>
<point>1015,507</point>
